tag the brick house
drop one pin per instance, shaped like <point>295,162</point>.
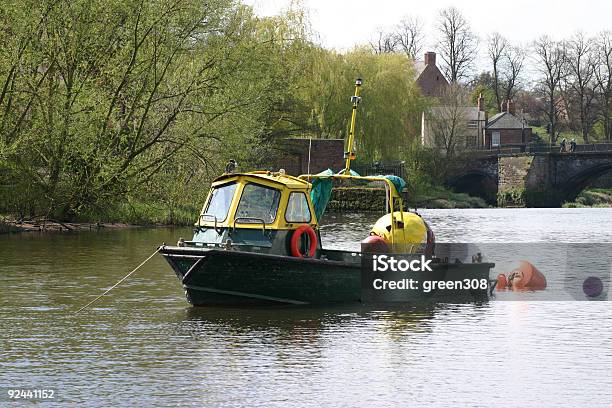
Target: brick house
<point>506,130</point>
<point>469,127</point>
<point>429,78</point>
<point>299,156</point>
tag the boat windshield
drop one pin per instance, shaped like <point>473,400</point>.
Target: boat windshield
<point>219,203</point>
<point>257,204</point>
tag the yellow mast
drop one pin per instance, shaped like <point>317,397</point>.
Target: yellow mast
<point>395,199</point>
<point>349,154</point>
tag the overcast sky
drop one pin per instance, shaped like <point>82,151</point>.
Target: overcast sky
<point>342,24</point>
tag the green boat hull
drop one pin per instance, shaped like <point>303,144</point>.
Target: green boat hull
<point>219,277</point>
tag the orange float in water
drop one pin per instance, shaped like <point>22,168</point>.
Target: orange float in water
<point>375,245</point>
<point>502,282</point>
<point>526,276</point>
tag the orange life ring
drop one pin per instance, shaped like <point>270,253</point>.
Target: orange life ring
<point>295,238</point>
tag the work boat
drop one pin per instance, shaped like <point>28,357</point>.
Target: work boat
<point>258,241</point>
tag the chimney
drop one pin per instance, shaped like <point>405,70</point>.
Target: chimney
<point>481,103</point>
<point>430,58</point>
<point>511,106</point>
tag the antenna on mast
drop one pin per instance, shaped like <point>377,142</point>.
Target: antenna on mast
<point>349,153</point>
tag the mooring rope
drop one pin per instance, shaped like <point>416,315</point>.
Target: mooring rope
<point>121,280</point>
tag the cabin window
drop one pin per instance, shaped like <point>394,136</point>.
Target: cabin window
<point>297,208</point>
<point>220,200</point>
<point>258,203</point>
<point>495,139</point>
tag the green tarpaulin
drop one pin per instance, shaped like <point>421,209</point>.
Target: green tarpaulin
<point>321,192</point>
<point>398,182</point>
<point>322,188</point>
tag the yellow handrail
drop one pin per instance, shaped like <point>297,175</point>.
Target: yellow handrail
<point>394,195</point>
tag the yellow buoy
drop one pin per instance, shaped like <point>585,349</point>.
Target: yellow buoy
<point>409,234</point>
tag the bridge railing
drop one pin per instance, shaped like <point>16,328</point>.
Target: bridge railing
<point>391,167</point>
<point>594,147</point>
<point>591,147</point>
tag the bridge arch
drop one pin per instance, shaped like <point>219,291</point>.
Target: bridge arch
<point>477,183</point>
<point>575,184</point>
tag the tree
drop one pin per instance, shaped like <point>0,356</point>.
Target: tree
<point>580,82</point>
<point>447,124</point>
<point>507,63</point>
<point>410,36</point>
<point>514,59</point>
<point>100,97</point>
<point>603,77</point>
<point>496,49</point>
<point>550,62</point>
<point>457,44</point>
<point>386,42</point>
<point>390,114</point>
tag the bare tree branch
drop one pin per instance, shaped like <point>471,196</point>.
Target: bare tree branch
<point>603,77</point>
<point>514,60</point>
<point>550,59</point>
<point>580,82</point>
<point>410,36</point>
<point>457,44</point>
<point>496,48</point>
<point>386,42</point>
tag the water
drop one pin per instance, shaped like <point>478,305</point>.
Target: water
<point>144,345</point>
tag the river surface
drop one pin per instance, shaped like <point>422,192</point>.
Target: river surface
<point>143,345</point>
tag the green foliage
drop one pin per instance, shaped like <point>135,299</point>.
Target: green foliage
<point>389,115</point>
<point>489,97</point>
<point>439,197</point>
<point>592,197</point>
<point>423,168</point>
<point>107,103</point>
<point>391,107</point>
<point>101,95</point>
<point>511,198</point>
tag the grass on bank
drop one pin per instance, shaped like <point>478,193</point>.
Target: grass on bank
<point>567,135</point>
<point>592,197</point>
<point>439,197</point>
<point>139,213</point>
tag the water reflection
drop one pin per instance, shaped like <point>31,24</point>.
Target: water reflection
<point>143,345</point>
<point>397,320</point>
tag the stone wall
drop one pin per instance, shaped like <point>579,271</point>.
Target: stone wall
<point>535,179</point>
<point>513,173</point>
<point>357,199</point>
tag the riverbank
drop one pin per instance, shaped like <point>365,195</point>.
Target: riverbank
<point>9,225</point>
<point>133,215</point>
<point>592,197</point>
<point>373,199</point>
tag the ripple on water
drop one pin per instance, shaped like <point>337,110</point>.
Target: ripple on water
<point>141,344</point>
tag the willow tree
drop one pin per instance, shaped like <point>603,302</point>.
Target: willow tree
<point>390,114</point>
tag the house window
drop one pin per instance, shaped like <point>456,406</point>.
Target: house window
<point>495,139</point>
<point>473,124</point>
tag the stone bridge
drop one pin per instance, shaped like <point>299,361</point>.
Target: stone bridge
<point>530,179</point>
